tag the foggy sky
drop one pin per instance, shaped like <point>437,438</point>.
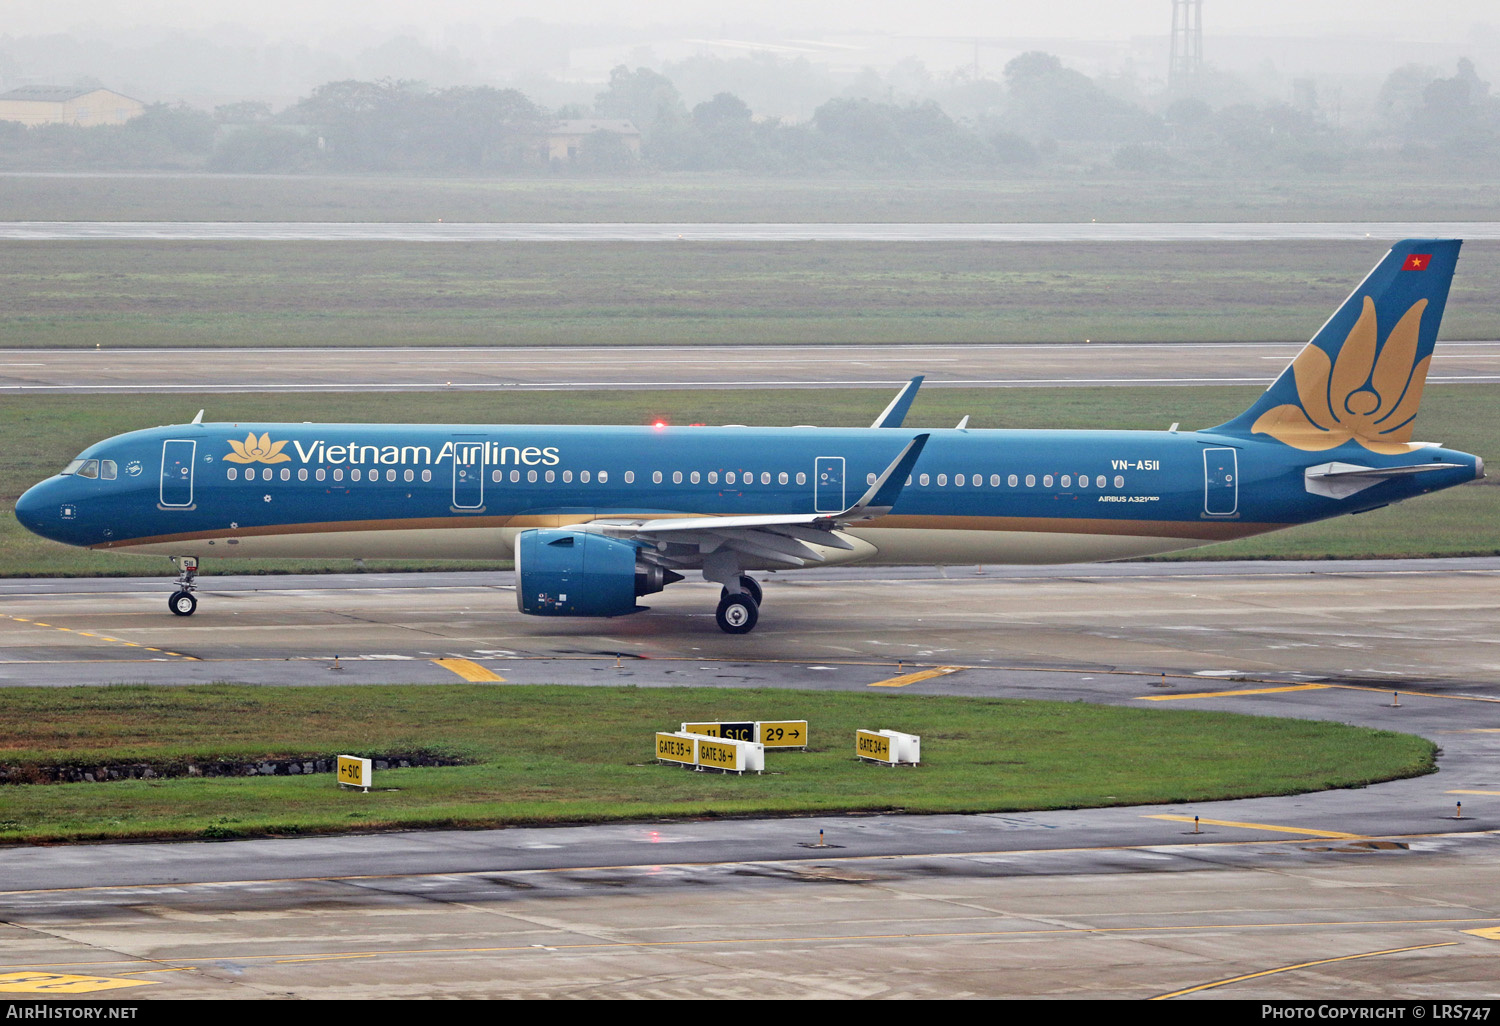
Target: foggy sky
<point>1097,19</point>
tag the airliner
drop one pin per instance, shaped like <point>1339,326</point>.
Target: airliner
<point>597,517</point>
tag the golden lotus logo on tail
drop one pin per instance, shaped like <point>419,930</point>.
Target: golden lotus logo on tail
<point>1358,396</point>
<point>257,450</point>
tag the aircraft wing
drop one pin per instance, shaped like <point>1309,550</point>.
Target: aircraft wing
<point>793,539</point>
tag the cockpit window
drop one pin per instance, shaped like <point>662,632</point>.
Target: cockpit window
<point>107,469</point>
<point>90,468</point>
<point>72,468</point>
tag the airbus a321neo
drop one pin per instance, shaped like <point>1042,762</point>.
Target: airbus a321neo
<point>597,517</point>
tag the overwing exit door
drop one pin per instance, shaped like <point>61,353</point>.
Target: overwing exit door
<point>828,484</point>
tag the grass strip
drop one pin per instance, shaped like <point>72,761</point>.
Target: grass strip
<point>127,294</point>
<point>551,754</point>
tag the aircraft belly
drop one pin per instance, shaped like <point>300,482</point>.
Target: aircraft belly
<point>933,545</point>
<point>405,543</point>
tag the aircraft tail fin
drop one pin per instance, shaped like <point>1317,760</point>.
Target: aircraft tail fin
<point>1361,377</point>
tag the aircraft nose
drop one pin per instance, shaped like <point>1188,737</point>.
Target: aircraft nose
<point>33,507</point>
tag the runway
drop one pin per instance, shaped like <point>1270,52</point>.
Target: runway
<point>678,367</point>
<point>1372,893</point>
<point>696,231</point>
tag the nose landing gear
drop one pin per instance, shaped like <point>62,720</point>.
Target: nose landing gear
<point>183,602</point>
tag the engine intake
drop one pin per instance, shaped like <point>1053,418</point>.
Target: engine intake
<point>577,573</point>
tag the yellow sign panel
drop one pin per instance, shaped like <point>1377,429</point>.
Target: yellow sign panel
<point>870,745</point>
<point>719,755</point>
<point>354,771</point>
<point>675,748</point>
<point>58,983</point>
<point>783,733</point>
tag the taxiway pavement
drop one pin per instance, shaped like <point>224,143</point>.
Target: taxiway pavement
<point>1379,892</point>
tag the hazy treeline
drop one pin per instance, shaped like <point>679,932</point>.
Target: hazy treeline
<point>1039,117</point>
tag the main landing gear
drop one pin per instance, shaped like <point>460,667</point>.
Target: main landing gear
<point>740,609</point>
<point>183,602</point>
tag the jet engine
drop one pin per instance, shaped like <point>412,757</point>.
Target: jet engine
<point>577,573</point>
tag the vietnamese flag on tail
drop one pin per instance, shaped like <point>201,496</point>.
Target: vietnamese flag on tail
<point>1417,262</point>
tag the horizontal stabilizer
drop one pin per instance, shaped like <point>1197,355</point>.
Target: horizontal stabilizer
<point>1341,480</point>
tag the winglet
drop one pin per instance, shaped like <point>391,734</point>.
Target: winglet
<point>881,496</point>
<point>895,413</point>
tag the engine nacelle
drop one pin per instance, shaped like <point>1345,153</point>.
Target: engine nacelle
<point>574,573</point>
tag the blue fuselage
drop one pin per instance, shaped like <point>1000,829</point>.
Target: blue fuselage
<point>465,490</point>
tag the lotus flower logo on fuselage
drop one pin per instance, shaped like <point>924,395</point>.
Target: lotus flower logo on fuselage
<point>1357,396</point>
<point>257,450</point>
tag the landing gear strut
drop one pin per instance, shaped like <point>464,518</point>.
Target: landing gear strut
<point>182,602</point>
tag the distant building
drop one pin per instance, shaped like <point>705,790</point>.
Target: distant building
<point>565,137</point>
<point>67,105</point>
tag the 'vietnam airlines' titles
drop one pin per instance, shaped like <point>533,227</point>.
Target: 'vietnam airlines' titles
<point>358,454</point>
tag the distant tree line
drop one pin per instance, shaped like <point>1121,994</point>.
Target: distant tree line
<point>1040,117</point>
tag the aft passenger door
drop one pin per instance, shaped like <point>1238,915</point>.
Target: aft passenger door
<point>1221,482</point>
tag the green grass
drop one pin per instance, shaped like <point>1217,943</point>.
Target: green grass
<point>551,754</point>
<point>1418,191</point>
<point>128,294</point>
<point>41,433</point>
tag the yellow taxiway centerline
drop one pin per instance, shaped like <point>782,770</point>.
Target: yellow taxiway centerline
<point>1332,834</point>
<point>470,670</point>
<point>98,637</point>
<point>1232,694</point>
<point>912,678</point>
<point>1299,965</point>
